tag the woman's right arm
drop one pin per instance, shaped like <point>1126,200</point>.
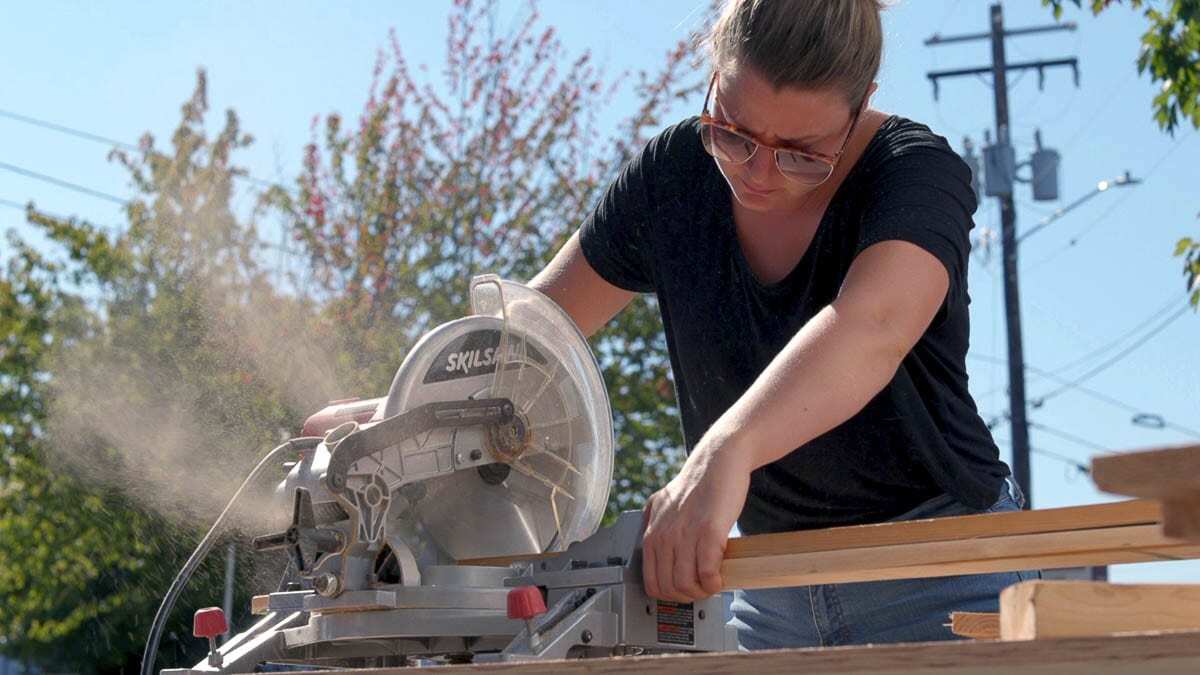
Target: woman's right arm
<point>570,281</point>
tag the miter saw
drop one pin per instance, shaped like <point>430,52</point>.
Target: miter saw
<point>456,519</point>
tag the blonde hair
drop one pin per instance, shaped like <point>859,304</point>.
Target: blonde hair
<point>808,44</point>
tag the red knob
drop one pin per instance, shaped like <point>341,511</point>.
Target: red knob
<point>209,623</point>
<point>525,602</point>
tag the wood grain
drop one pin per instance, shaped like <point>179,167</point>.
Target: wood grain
<point>1181,517</point>
<point>1034,610</point>
<point>976,625</point>
<point>1111,545</point>
<point>1132,512</point>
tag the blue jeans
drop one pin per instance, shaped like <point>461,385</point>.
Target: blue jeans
<point>905,610</point>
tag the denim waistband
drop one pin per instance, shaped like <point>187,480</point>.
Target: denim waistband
<point>1010,499</point>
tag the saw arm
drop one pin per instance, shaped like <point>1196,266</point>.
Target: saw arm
<point>494,413</point>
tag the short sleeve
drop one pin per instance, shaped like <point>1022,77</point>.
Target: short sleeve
<point>920,192</point>
<point>616,237</point>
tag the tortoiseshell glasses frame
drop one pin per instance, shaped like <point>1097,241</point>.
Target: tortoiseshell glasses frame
<point>728,142</point>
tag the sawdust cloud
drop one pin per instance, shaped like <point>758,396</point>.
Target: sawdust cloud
<point>155,422</point>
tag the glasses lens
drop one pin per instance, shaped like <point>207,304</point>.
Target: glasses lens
<point>802,168</point>
<point>726,145</point>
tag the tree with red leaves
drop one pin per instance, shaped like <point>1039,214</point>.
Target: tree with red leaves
<point>487,169</point>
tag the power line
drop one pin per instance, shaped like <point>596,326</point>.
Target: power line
<point>1099,220</point>
<point>1088,391</point>
<point>1065,459</point>
<point>63,183</point>
<point>97,138</point>
<point>1096,353</point>
<point>1105,365</point>
<point>66,130</point>
<point>1068,436</point>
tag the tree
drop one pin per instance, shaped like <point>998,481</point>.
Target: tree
<point>489,169</point>
<point>1171,54</point>
<point>133,390</point>
<point>143,370</point>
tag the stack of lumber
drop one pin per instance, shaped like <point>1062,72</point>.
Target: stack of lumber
<point>1103,534</point>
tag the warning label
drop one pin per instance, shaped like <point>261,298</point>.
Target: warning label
<point>676,623</point>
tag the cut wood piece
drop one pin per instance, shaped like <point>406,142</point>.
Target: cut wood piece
<point>1034,610</point>
<point>1159,474</point>
<point>976,625</point>
<point>1181,517</point>
<point>260,604</point>
<point>1133,543</point>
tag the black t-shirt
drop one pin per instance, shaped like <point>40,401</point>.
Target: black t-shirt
<point>665,226</point>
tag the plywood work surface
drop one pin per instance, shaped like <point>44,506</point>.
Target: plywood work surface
<point>1167,654</point>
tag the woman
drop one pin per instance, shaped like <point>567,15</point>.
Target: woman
<point>809,256</point>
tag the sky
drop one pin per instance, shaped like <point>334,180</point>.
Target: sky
<point>1098,281</point>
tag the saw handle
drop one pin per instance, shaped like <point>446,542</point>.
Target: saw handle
<point>438,415</point>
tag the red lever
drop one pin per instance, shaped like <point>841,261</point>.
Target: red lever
<point>210,622</point>
<point>525,602</point>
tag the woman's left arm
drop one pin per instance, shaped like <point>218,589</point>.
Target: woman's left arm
<point>827,373</point>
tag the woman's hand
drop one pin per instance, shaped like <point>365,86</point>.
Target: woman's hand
<point>688,523</point>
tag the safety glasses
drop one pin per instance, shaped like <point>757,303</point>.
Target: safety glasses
<point>729,143</point>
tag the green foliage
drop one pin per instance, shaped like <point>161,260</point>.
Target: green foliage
<point>126,406</point>
<point>397,210</point>
<point>1170,53</point>
<point>1189,250</point>
<point>142,372</point>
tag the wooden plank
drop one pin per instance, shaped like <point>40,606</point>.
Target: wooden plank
<point>1133,512</point>
<point>1158,474</point>
<point>1181,517</point>
<point>1168,654</point>
<point>1134,543</point>
<point>1103,534</point>
<point>1034,610</point>
<point>976,625</point>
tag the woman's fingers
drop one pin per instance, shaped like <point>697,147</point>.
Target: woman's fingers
<point>687,584</point>
<point>710,551</point>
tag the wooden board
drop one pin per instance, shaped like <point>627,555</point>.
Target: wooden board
<point>1102,534</point>
<point>1158,474</point>
<point>1169,474</point>
<point>1034,610</point>
<point>1181,517</point>
<point>1133,512</point>
<point>1169,654</point>
<point>976,625</point>
<point>1099,546</point>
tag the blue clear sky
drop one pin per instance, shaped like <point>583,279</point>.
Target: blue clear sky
<point>121,69</point>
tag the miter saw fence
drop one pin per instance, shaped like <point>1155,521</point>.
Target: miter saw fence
<point>495,441</point>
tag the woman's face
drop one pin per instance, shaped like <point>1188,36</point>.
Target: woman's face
<point>813,120</point>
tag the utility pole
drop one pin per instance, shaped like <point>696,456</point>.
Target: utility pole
<point>1000,161</point>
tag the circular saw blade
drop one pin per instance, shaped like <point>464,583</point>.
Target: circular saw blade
<point>521,346</point>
